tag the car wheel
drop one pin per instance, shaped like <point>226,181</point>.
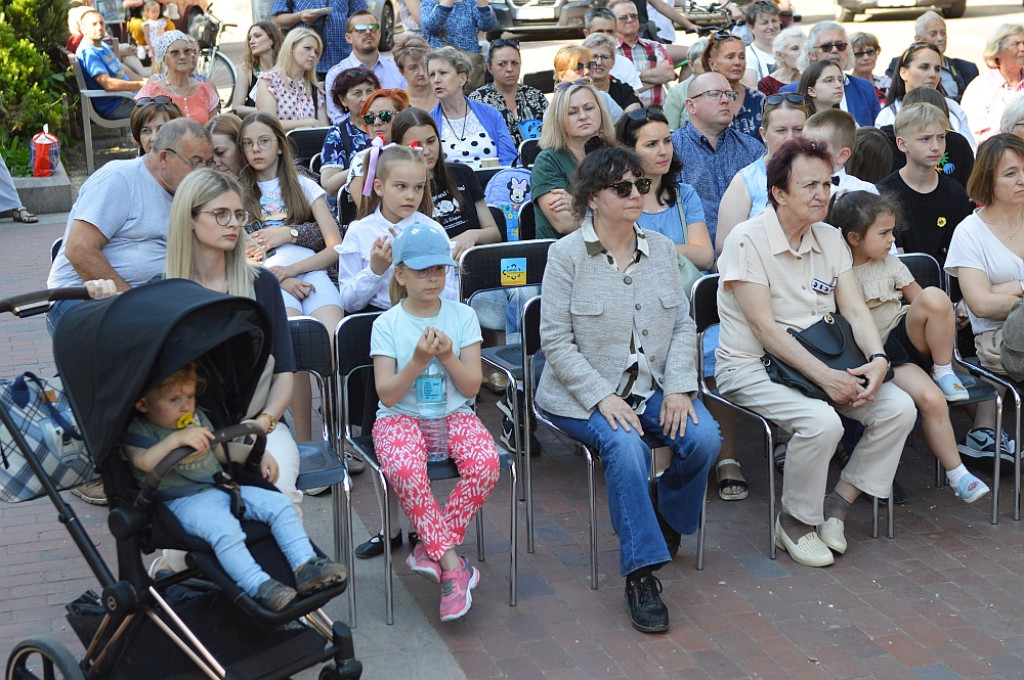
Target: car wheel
<point>956,10</point>
<point>844,14</point>
<point>387,27</point>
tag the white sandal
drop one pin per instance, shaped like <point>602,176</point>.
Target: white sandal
<point>724,484</point>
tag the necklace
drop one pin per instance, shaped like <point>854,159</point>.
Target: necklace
<point>173,89</point>
<point>465,121</point>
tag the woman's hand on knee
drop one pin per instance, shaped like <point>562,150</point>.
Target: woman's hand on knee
<point>617,412</point>
<point>675,409</point>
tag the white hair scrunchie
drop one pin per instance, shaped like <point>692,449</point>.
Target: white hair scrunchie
<point>161,44</point>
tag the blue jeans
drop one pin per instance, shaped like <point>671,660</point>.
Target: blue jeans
<point>56,311</point>
<point>626,461</point>
<point>207,515</point>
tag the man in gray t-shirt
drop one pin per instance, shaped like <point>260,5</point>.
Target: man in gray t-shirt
<point>117,228</point>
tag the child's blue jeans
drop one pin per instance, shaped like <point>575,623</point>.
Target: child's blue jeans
<point>207,515</point>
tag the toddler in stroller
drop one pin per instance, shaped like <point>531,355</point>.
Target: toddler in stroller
<point>209,505</point>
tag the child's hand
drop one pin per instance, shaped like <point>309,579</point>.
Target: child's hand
<point>442,344</point>
<point>424,347</point>
<point>380,255</point>
<point>198,438</point>
<point>269,469</point>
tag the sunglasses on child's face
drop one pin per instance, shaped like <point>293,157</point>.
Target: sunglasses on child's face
<point>438,270</point>
<point>383,116</point>
<point>624,189</point>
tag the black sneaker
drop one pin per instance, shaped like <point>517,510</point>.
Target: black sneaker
<point>274,595</point>
<point>375,546</point>
<point>317,574</point>
<point>647,612</point>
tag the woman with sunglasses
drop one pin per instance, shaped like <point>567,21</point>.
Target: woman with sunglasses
<point>822,85</point>
<point>607,382</point>
<point>290,90</point>
<point>520,105</point>
<point>782,119</point>
<point>921,66</point>
<point>409,52</point>
<point>346,137</point>
<point>261,49</point>
<point>472,132</point>
<point>866,48</point>
<point>726,54</point>
<point>376,117</point>
<point>572,65</point>
<point>199,101</point>
<point>602,57</point>
<point>576,116</point>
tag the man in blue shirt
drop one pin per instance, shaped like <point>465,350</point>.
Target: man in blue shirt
<point>363,33</point>
<point>102,69</point>
<point>711,150</point>
<point>330,25</point>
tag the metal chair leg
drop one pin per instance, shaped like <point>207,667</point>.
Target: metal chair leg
<point>513,576</point>
<point>389,593</point>
<point>592,503</point>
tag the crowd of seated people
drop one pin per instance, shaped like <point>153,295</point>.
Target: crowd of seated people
<point>732,170</point>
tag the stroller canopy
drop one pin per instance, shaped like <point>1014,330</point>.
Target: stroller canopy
<point>111,352</point>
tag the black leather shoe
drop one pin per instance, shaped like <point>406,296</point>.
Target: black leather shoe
<point>647,612</point>
<point>672,537</point>
<point>375,546</point>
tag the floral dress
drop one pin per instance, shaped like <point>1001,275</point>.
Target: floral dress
<point>293,99</point>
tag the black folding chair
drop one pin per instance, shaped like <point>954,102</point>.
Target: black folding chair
<point>529,149</point>
<point>527,222</point>
<point>352,340</point>
<point>499,219</point>
<point>307,142</point>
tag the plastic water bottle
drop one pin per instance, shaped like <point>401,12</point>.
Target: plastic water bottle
<point>432,402</point>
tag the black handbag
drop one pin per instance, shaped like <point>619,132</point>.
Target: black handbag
<point>831,341</point>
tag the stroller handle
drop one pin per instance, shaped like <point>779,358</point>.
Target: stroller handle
<point>37,302</point>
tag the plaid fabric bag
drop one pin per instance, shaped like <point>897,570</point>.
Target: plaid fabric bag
<point>40,411</point>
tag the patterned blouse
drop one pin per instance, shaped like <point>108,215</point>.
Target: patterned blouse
<point>293,99</point>
<point>530,105</point>
<point>333,153</point>
<point>199,106</point>
<point>748,119</point>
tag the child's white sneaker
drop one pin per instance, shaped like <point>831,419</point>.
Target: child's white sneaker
<point>970,488</point>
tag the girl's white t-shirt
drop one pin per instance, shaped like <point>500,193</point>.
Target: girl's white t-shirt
<point>975,246</point>
<point>274,213</point>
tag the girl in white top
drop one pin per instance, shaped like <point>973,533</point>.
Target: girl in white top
<point>918,337</point>
<point>399,199</point>
<point>282,200</point>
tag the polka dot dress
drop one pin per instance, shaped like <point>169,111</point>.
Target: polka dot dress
<point>464,140</point>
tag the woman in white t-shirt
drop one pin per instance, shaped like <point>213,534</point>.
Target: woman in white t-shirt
<point>282,200</point>
<point>987,257</point>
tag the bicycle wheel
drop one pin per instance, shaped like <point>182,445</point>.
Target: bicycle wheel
<point>219,72</point>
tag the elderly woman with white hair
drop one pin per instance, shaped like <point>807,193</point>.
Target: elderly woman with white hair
<point>990,93</point>
<point>787,48</point>
<point>1012,121</point>
<point>198,100</point>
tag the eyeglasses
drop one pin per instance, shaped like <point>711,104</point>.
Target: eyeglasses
<point>366,28</point>
<point>567,84</point>
<point>437,270</point>
<point>716,95</point>
<point>581,67</point>
<point>263,143</point>
<point>835,80</point>
<point>187,52</point>
<point>624,189</point>
<point>383,116</point>
<point>159,99</point>
<point>602,57</point>
<point>829,46</point>
<point>225,215</point>
<point>632,16</point>
<point>501,42</point>
<point>193,164</point>
<point>791,97</point>
<point>870,52</point>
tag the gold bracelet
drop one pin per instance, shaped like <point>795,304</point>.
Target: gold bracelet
<point>272,419</point>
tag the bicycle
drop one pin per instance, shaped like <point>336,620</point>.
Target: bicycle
<point>213,66</point>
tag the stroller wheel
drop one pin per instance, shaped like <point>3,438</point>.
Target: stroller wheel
<point>41,657</point>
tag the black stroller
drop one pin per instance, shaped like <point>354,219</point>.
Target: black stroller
<point>197,623</point>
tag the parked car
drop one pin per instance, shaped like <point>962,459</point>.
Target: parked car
<point>846,10</point>
<point>386,12</point>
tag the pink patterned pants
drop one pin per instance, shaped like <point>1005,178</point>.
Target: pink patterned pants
<point>403,459</point>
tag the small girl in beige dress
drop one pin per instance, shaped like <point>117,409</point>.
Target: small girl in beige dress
<point>918,336</point>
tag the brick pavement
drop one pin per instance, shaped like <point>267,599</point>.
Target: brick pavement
<point>942,600</point>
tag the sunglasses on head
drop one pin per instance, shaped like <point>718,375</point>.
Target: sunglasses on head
<point>722,35</point>
<point>791,97</point>
<point>502,42</point>
<point>159,99</point>
<point>624,189</point>
<point>566,85</point>
<point>383,116</point>
<point>642,114</point>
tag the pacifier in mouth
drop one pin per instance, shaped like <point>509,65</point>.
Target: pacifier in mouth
<point>185,420</point>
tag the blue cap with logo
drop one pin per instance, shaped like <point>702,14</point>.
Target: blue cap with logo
<point>422,245</point>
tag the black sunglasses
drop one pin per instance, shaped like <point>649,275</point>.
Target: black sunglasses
<point>829,46</point>
<point>624,189</point>
<point>722,35</point>
<point>502,42</point>
<point>159,99</point>
<point>791,97</point>
<point>383,116</point>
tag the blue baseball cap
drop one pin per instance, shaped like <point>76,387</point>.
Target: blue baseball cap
<point>422,245</point>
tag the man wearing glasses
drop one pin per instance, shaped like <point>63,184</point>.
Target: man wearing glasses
<point>328,18</point>
<point>102,69</point>
<point>650,58</point>
<point>956,74</point>
<point>827,40</point>
<point>602,20</point>
<point>117,229</point>
<point>363,33</point>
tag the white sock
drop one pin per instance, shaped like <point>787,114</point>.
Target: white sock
<point>940,370</point>
<point>956,474</point>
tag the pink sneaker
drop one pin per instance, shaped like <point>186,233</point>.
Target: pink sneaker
<point>456,598</point>
<point>419,561</point>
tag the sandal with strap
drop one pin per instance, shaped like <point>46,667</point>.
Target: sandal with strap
<point>724,484</point>
<point>23,215</point>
